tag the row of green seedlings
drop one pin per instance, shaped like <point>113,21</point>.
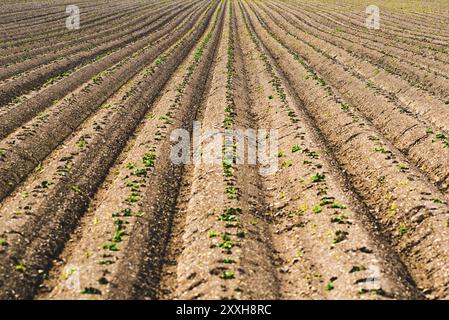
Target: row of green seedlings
<point>402,229</point>
<point>441,137</point>
<point>369,83</point>
<point>390,55</point>
<point>42,188</point>
<point>345,106</point>
<point>380,147</point>
<point>148,161</point>
<point>138,177</point>
<point>83,141</point>
<point>62,75</point>
<point>311,73</point>
<point>28,56</point>
<point>386,68</point>
<point>167,119</point>
<point>278,88</point>
<point>402,167</point>
<point>61,171</point>
<point>230,215</point>
<point>98,78</point>
<point>31,129</point>
<point>339,217</point>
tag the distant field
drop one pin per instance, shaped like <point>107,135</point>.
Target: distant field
<point>92,204</point>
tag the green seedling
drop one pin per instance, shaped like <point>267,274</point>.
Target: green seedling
<point>296,148</point>
<point>74,188</point>
<point>68,273</point>
<point>105,262</point>
<point>344,106</point>
<point>81,144</point>
<point>149,159</point>
<point>317,209</point>
<point>20,267</point>
<point>231,191</point>
<point>103,281</point>
<point>313,154</point>
<point>133,185</point>
<point>381,150</point>
<point>402,230</point>
<point>119,234</point>
<point>337,205</point>
<point>228,245</point>
<point>224,217</point>
<point>226,237</point>
<point>227,275</point>
<point>134,197</point>
<point>97,79</point>
<point>111,247</point>
<point>321,81</point>
<point>3,243</point>
<point>212,234</point>
<point>232,211</point>
<point>233,224</point>
<point>325,201</point>
<point>130,165</point>
<point>391,212</point>
<point>441,136</point>
<point>140,172</point>
<point>318,178</point>
<point>330,286</point>
<point>228,260</point>
<point>166,119</point>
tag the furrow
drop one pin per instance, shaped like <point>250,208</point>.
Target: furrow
<point>58,216</point>
<point>410,211</point>
<point>23,151</point>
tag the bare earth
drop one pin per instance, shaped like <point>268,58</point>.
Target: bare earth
<point>93,207</point>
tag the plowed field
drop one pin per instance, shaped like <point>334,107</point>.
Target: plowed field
<point>92,204</point>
